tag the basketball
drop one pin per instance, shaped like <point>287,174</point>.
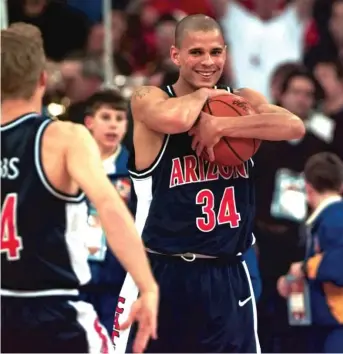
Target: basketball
<point>231,151</point>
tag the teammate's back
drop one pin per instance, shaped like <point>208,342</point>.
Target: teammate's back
<point>40,248</point>
<point>44,165</point>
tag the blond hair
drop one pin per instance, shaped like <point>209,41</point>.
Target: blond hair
<point>22,61</point>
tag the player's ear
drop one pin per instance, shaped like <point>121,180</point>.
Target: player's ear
<point>225,51</point>
<point>43,79</point>
<point>175,55</point>
<point>88,122</point>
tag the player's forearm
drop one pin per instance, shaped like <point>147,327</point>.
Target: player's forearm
<point>264,126</point>
<point>126,244</point>
<point>182,112</point>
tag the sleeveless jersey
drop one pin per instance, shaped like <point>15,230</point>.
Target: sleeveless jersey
<point>185,204</point>
<point>42,251</point>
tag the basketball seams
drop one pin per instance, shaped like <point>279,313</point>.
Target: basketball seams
<point>221,105</point>
<point>232,149</point>
<point>234,109</point>
<point>227,104</point>
<point>209,107</point>
<point>224,138</point>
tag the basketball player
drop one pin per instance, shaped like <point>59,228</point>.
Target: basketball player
<point>44,164</point>
<point>196,218</point>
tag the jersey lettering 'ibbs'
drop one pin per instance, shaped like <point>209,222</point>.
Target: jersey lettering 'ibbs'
<point>9,168</point>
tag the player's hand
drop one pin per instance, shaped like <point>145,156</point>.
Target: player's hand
<point>144,311</point>
<point>296,270</point>
<point>283,286</point>
<point>214,92</point>
<point>270,108</point>
<point>205,135</point>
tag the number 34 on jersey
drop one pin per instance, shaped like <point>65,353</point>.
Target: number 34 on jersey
<point>11,242</point>
<point>227,212</point>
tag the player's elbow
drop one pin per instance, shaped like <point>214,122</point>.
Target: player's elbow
<point>296,127</point>
<point>182,126</point>
<point>182,121</point>
<point>174,122</point>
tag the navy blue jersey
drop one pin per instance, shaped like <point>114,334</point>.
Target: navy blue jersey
<point>186,204</point>
<point>41,249</point>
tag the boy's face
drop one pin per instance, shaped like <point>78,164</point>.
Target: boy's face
<point>108,126</point>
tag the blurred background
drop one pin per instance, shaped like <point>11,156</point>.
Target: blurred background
<point>291,51</point>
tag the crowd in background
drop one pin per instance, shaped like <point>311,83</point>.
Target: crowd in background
<point>291,51</point>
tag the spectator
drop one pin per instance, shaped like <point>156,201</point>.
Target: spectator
<point>82,77</point>
<point>330,46</point>
<point>188,7</point>
<point>323,266</point>
<point>251,4</point>
<point>146,28</point>
<point>278,78</point>
<point>330,75</point>
<point>260,42</point>
<point>165,29</point>
<point>93,8</point>
<point>281,206</point>
<point>95,42</point>
<point>64,29</point>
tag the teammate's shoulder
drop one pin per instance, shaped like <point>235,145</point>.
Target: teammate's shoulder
<point>68,131</point>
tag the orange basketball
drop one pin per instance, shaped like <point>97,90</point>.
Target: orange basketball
<point>231,151</point>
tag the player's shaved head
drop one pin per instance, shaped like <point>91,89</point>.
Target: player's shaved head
<point>194,23</point>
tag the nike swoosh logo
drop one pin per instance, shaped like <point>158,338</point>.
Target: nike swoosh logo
<point>242,303</point>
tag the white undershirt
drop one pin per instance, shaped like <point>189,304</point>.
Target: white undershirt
<point>257,47</point>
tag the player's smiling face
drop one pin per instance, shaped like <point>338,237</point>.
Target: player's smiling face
<point>201,58</point>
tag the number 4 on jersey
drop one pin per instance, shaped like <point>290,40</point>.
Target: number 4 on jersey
<point>11,242</point>
<point>227,213</point>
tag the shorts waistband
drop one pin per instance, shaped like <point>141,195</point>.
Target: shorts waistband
<point>39,293</point>
<point>191,257</point>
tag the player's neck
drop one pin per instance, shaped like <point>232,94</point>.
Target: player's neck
<point>12,109</point>
<point>182,88</point>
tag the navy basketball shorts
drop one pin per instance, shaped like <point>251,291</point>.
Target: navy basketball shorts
<point>206,306</point>
<point>51,325</point>
<point>105,303</point>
